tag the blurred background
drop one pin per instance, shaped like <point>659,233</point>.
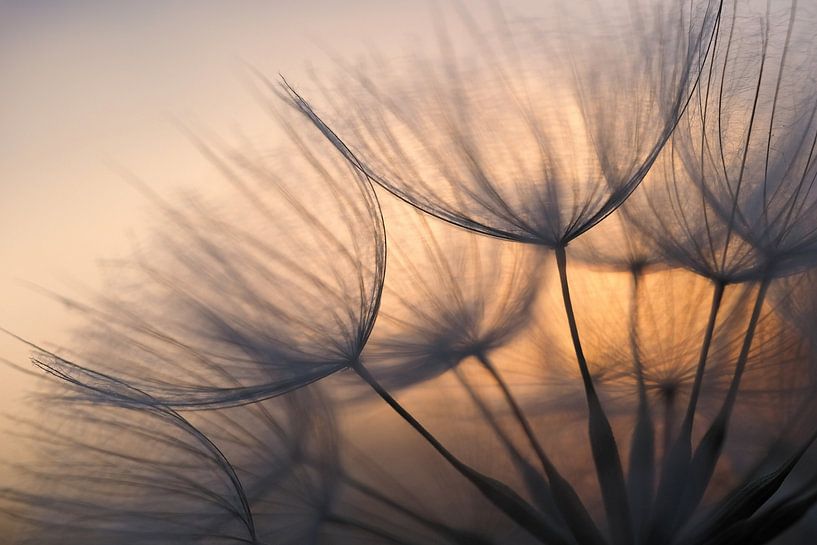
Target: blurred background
<point>93,88</point>
<point>96,94</point>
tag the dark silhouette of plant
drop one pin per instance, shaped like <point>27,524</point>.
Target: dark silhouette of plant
<point>448,296</point>
<point>228,387</point>
<point>131,470</point>
<point>198,335</point>
<point>559,161</point>
<point>729,200</point>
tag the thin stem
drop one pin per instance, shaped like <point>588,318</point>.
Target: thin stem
<point>668,396</point>
<point>561,263</point>
<point>364,373</point>
<point>602,441</point>
<point>634,342</point>
<point>499,494</point>
<point>535,482</point>
<point>567,501</point>
<point>698,472</point>
<point>676,464</point>
<point>709,450</point>
<point>740,367</point>
<point>717,297</point>
<point>640,476</point>
<point>516,409</point>
<point>489,417</point>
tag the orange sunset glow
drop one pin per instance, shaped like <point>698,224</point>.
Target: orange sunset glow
<point>399,273</point>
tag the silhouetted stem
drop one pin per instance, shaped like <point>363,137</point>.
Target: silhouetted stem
<point>489,417</point>
<point>675,467</point>
<point>498,493</point>
<point>745,501</point>
<point>587,380</point>
<point>535,482</point>
<point>633,336</point>
<point>668,397</point>
<point>709,450</point>
<point>740,367</point>
<point>568,502</point>
<point>602,440</point>
<point>689,417</point>
<point>642,448</point>
<point>516,409</point>
<point>784,513</point>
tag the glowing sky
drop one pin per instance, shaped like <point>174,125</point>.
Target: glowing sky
<point>88,84</point>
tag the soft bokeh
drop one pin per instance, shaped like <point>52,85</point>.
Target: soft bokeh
<point>118,113</point>
<point>96,91</point>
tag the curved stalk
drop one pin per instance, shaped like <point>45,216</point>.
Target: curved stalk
<point>579,521</point>
<point>709,450</point>
<point>676,463</point>
<point>498,493</point>
<point>640,475</point>
<point>602,441</point>
<point>535,482</point>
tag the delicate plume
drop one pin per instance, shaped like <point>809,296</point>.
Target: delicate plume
<point>449,295</point>
<point>275,287</point>
<point>134,473</point>
<point>535,139</point>
<point>732,197</point>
